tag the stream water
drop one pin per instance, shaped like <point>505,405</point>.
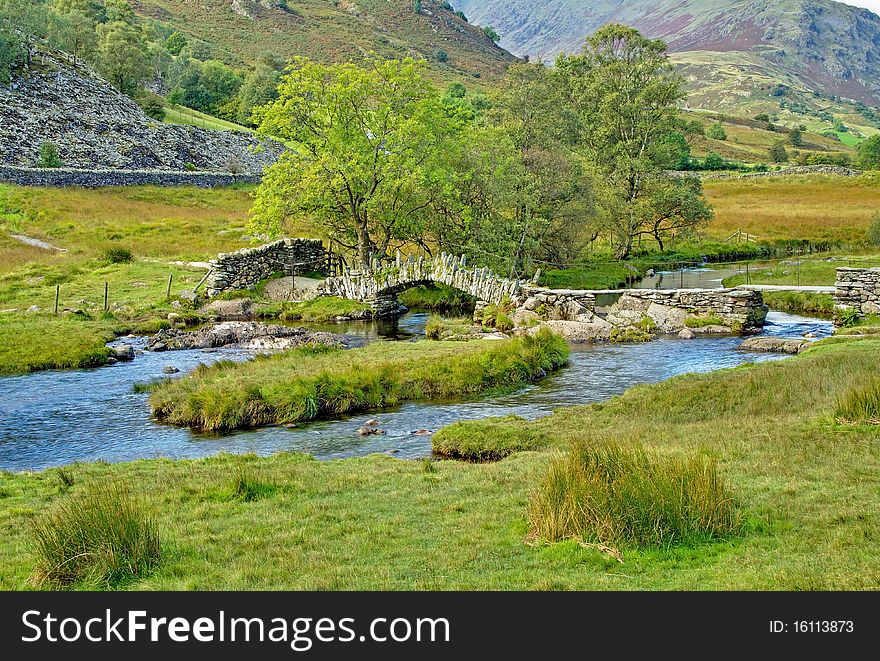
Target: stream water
<point>59,417</point>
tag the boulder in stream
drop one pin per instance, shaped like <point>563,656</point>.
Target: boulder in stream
<point>775,345</point>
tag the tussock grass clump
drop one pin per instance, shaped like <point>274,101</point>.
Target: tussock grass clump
<point>308,383</point>
<point>860,404</point>
<point>627,497</point>
<point>100,537</point>
<point>247,488</point>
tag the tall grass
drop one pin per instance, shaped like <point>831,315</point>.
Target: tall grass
<point>100,537</point>
<point>309,383</point>
<point>860,404</point>
<point>624,496</point>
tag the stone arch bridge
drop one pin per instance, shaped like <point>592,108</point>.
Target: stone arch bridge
<point>712,310</point>
<point>380,285</point>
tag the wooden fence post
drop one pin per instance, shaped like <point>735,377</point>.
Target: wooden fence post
<point>57,294</point>
<point>168,291</point>
<point>106,301</point>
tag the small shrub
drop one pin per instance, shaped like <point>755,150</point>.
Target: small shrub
<point>153,106</point>
<point>118,255</point>
<point>189,167</point>
<point>490,32</point>
<point>503,323</point>
<point>716,132</point>
<point>625,496</point>
<point>428,465</point>
<point>49,157</point>
<point>860,404</point>
<point>102,536</point>
<point>846,317</point>
<point>442,56</point>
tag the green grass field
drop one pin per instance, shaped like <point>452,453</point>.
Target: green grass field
<point>804,485</point>
<point>184,115</point>
<point>799,207</point>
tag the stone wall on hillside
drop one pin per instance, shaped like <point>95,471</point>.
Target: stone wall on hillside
<point>858,289</point>
<point>103,178</point>
<point>244,268</point>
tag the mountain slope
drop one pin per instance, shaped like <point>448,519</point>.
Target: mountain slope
<point>241,31</point>
<point>823,45</point>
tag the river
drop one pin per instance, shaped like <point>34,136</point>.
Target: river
<point>55,418</point>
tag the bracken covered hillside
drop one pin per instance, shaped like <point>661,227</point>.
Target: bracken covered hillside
<point>95,126</point>
<point>241,31</point>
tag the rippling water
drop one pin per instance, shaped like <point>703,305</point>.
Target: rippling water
<point>58,417</point>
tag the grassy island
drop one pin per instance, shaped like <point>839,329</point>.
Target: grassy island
<point>310,383</point>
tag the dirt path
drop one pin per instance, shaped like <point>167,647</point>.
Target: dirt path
<point>36,243</point>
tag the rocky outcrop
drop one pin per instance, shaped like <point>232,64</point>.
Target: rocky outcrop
<point>94,126</point>
<point>774,345</point>
<point>243,335</point>
<point>858,290</point>
<point>244,268</point>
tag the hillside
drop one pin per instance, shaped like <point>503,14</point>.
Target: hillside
<point>95,126</point>
<point>242,31</point>
<point>740,49</point>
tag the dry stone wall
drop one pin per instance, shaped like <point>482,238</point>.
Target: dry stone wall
<point>244,268</point>
<point>103,178</point>
<point>858,289</point>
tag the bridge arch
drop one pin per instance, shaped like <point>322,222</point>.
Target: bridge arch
<point>380,285</point>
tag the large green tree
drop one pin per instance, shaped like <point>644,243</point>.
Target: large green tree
<point>869,153</point>
<point>366,152</point>
<point>626,94</point>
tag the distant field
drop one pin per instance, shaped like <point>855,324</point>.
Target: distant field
<point>814,208</point>
<point>184,115</point>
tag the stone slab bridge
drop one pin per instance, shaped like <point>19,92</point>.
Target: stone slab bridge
<point>595,312</point>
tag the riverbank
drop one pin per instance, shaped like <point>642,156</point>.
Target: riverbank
<point>310,383</point>
<point>803,482</point>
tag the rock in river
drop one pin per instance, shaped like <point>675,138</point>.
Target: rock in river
<point>243,335</point>
<point>775,344</point>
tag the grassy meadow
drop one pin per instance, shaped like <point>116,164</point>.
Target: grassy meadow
<point>802,485</point>
<point>795,207</point>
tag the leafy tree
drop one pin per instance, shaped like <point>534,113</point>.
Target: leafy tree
<point>673,206</point>
<point>869,153</point>
<point>490,32</point>
<point>796,137</point>
<point>259,88</point>
<point>462,16</point>
<point>13,53</point>
<point>763,117</point>
<point>49,156</point>
<point>625,93</point>
<point>716,132</point>
<point>207,86</point>
<point>175,43</point>
<point>777,153</point>
<point>74,33</point>
<point>456,91</point>
<point>367,148</point>
<point>677,151</point>
<point>122,56</point>
<point>551,195</point>
<point>714,161</point>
